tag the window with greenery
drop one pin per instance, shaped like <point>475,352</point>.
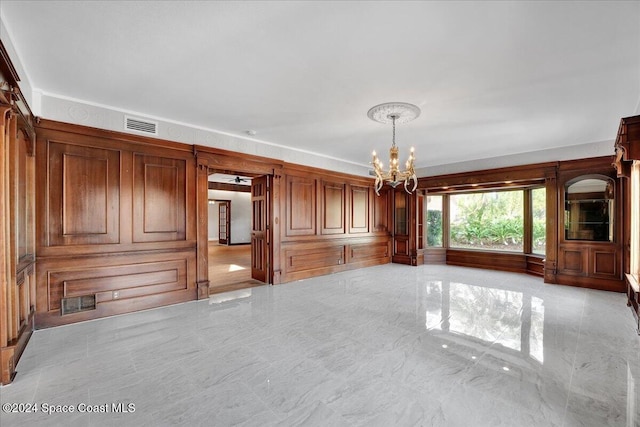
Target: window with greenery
<point>539,213</point>
<point>487,220</point>
<point>434,221</point>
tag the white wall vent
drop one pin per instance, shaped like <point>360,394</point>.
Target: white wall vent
<point>139,125</point>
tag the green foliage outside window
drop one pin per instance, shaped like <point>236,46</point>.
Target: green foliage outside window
<point>490,220</point>
<point>434,228</point>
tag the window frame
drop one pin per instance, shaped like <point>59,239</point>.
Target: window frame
<point>527,238</point>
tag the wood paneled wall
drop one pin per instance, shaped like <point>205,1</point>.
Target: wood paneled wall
<point>332,222</point>
<point>578,263</point>
<point>17,247</point>
<point>116,221</point>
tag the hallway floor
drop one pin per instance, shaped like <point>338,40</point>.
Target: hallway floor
<point>383,346</point>
<point>230,268</point>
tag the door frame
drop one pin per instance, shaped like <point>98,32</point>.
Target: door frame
<point>211,160</point>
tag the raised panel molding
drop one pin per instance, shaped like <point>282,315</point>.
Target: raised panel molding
<point>129,283</point>
<point>333,208</point>
<point>401,246</point>
<point>83,195</point>
<point>301,206</point>
<point>603,263</point>
<point>369,251</point>
<point>298,260</point>
<point>159,199</point>
<point>160,189</point>
<point>359,210</point>
<point>572,261</point>
<point>381,212</point>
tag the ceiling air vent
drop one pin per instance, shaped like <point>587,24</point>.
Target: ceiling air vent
<point>139,125</point>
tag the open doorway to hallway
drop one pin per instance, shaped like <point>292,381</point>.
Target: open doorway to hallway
<point>230,214</point>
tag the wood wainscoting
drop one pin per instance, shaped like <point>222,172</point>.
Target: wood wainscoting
<point>330,222</point>
<point>116,223</point>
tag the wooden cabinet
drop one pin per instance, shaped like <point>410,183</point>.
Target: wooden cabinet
<point>590,226</point>
<point>17,248</point>
<point>407,239</point>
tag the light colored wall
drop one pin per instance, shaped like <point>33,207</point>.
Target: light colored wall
<point>25,82</point>
<point>240,215</point>
<point>69,110</point>
<point>581,151</point>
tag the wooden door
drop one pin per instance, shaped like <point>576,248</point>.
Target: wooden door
<point>224,219</point>
<point>260,232</point>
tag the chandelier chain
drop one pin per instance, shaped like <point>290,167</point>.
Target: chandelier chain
<point>393,118</point>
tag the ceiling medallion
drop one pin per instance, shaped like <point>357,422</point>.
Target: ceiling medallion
<point>394,112</point>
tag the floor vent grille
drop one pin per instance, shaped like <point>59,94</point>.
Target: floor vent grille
<point>77,304</point>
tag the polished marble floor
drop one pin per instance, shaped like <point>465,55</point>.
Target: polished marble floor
<point>384,346</point>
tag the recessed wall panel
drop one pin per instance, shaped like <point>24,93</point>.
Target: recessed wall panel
<point>83,195</point>
<point>333,208</point>
<point>159,202</point>
<point>301,206</point>
<point>359,210</point>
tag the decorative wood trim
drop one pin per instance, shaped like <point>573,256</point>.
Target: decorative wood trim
<point>229,187</point>
<point>202,227</point>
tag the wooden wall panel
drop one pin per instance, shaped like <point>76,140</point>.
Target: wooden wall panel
<point>159,202</point>
<point>117,223</point>
<point>368,251</point>
<point>333,208</point>
<point>116,281</point>
<point>84,195</point>
<point>310,259</point>
<point>603,262</point>
<point>127,283</point>
<point>359,209</point>
<point>573,260</point>
<point>381,209</point>
<point>301,206</point>
<point>503,261</point>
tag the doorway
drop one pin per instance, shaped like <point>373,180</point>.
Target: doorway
<point>232,246</point>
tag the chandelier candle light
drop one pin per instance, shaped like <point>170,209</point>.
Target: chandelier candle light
<point>394,112</point>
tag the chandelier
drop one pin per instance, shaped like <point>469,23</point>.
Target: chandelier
<point>394,112</point>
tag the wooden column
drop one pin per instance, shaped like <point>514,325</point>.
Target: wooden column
<point>202,215</point>
<point>7,364</point>
<point>17,254</point>
<point>551,258</point>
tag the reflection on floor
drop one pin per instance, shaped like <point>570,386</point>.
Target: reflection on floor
<point>390,345</point>
<point>230,268</point>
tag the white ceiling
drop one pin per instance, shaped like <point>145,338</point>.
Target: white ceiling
<point>491,78</point>
<point>230,179</point>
